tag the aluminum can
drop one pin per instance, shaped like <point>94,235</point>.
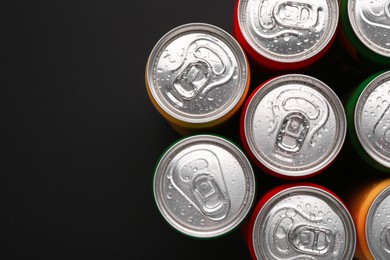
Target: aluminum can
<point>197,76</point>
<point>368,116</point>
<point>364,31</point>
<point>285,35</point>
<point>293,126</point>
<point>369,204</point>
<point>204,186</point>
<point>301,221</point>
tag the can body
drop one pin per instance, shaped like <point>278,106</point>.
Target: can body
<point>369,207</point>
<point>293,126</point>
<point>367,112</point>
<point>204,186</point>
<point>364,30</point>
<point>197,76</point>
<point>285,35</point>
<point>301,221</point>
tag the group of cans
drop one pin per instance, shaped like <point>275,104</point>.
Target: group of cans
<point>292,126</point>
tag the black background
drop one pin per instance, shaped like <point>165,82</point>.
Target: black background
<point>81,138</point>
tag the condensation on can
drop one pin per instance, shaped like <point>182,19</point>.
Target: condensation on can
<point>368,109</point>
<point>369,204</point>
<point>204,186</point>
<point>285,35</point>
<point>364,31</point>
<point>293,126</point>
<point>301,221</point>
<point>197,77</point>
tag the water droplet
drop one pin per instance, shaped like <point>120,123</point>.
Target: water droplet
<point>169,196</point>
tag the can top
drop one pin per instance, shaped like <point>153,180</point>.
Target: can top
<point>304,222</point>
<point>288,31</point>
<point>197,73</point>
<point>372,118</point>
<point>295,125</point>
<point>378,226</point>
<point>370,20</point>
<point>204,186</point>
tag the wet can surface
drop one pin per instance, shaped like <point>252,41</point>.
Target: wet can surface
<point>301,221</point>
<point>368,116</point>
<point>284,34</point>
<point>365,30</point>
<point>197,76</point>
<point>369,205</point>
<point>204,186</point>
<point>293,126</point>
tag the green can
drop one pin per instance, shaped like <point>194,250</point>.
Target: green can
<point>365,31</point>
<point>368,117</point>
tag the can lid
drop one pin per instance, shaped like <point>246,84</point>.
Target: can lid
<point>294,125</point>
<point>197,73</point>
<point>372,118</point>
<point>288,31</point>
<point>204,186</point>
<point>370,22</point>
<point>378,226</point>
<point>304,222</point>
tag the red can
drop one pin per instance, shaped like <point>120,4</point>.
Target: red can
<point>285,35</point>
<point>301,221</point>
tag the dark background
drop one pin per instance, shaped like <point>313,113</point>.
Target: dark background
<point>81,138</point>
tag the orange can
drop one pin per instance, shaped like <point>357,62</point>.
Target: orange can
<point>197,77</point>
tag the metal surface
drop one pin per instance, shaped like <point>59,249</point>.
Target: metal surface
<point>372,119</point>
<point>304,222</point>
<point>204,186</point>
<point>370,21</point>
<point>197,73</point>
<point>295,125</point>
<point>288,31</point>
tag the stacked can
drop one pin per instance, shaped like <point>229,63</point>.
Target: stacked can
<point>204,186</point>
<point>293,126</point>
<point>286,35</point>
<point>369,205</point>
<point>365,30</point>
<point>197,76</point>
<point>301,221</point>
<point>368,113</point>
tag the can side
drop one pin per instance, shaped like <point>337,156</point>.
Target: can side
<point>359,203</point>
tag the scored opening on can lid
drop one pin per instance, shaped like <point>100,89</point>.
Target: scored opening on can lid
<point>304,222</point>
<point>204,186</point>
<point>372,119</point>
<point>294,125</point>
<point>288,31</point>
<point>371,24</point>
<point>378,226</point>
<point>197,73</point>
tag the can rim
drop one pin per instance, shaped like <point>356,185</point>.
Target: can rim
<point>181,118</point>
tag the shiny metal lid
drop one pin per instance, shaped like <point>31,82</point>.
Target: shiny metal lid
<point>372,119</point>
<point>295,125</point>
<point>204,186</point>
<point>304,222</point>
<point>197,73</point>
<point>378,226</point>
<point>370,21</point>
<point>288,31</point>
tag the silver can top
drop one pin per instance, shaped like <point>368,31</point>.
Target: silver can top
<point>372,119</point>
<point>370,21</point>
<point>295,125</point>
<point>304,222</point>
<point>204,186</point>
<point>197,73</point>
<point>378,226</point>
<point>288,31</point>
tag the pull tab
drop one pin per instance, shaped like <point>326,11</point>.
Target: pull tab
<point>292,132</point>
<point>294,14</point>
<point>213,202</point>
<point>312,240</point>
<point>376,13</point>
<point>385,238</point>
